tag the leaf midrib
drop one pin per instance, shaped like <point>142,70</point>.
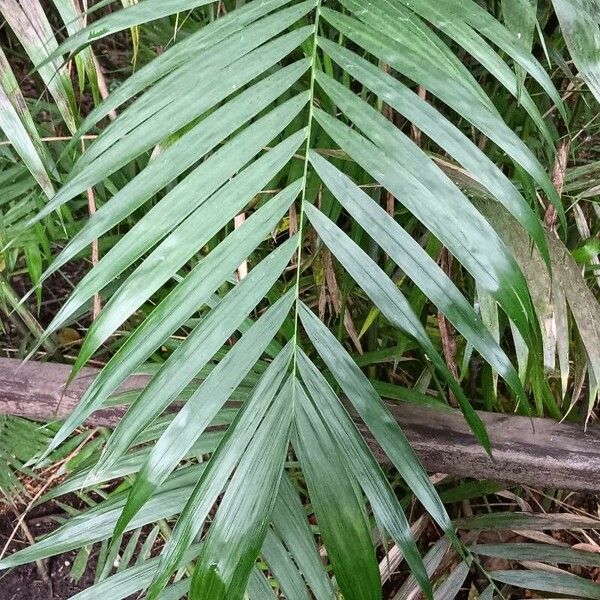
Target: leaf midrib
<point>301,218</point>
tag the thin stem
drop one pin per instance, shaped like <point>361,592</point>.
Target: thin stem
<point>91,198</point>
<point>304,181</point>
<point>54,138</point>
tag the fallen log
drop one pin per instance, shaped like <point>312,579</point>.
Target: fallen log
<point>38,391</point>
<point>536,452</point>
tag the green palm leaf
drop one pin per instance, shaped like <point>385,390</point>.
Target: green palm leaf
<point>16,123</point>
<point>392,304</point>
<point>337,502</point>
<point>34,31</point>
<point>219,469</point>
<point>580,24</point>
<point>242,518</point>
<point>359,460</point>
<point>292,528</point>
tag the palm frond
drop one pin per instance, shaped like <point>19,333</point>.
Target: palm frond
<point>286,96</point>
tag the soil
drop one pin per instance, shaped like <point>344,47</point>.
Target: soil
<point>52,578</point>
<point>16,340</point>
<point>27,583</point>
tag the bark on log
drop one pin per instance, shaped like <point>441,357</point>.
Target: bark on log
<point>537,452</point>
<point>38,391</point>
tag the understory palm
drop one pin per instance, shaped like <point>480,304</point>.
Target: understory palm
<point>297,115</point>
